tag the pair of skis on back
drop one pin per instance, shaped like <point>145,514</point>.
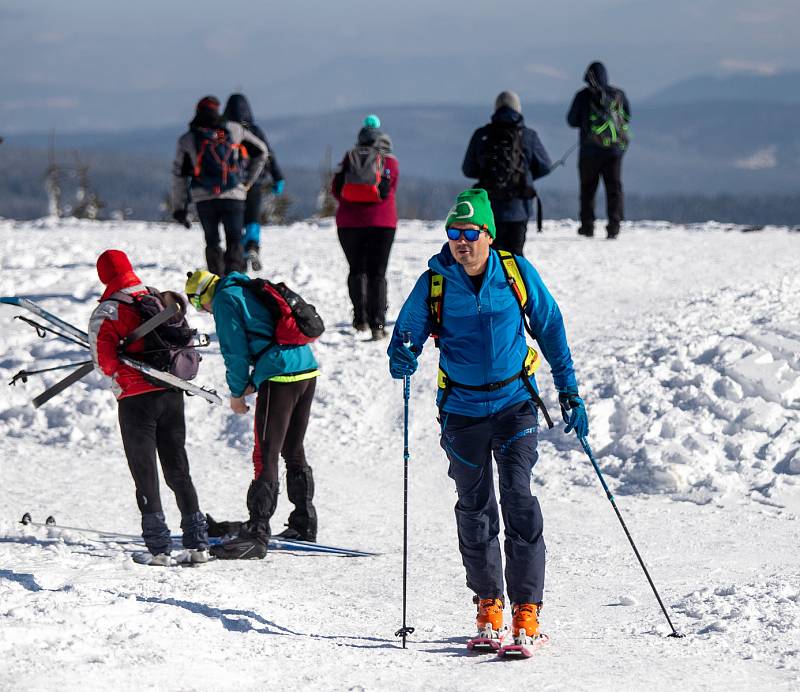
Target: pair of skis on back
<point>71,333</point>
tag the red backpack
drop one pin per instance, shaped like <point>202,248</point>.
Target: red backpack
<point>362,175</point>
<point>296,321</point>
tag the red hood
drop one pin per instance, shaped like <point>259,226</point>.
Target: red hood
<point>115,271</point>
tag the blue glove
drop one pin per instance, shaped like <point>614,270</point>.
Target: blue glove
<point>402,362</point>
<point>277,187</point>
<point>573,412</point>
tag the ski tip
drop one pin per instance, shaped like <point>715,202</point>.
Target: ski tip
<point>26,519</point>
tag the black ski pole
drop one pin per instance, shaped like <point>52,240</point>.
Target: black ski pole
<point>564,158</point>
<point>586,448</point>
<point>24,374</point>
<point>404,631</point>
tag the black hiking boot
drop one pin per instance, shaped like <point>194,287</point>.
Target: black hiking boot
<point>292,534</point>
<point>221,529</point>
<point>241,548</point>
<point>586,232</point>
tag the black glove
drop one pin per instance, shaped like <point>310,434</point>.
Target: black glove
<point>180,216</point>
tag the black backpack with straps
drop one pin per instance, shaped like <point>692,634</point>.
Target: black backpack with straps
<point>503,165</point>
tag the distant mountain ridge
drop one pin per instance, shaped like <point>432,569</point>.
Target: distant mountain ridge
<point>783,87</point>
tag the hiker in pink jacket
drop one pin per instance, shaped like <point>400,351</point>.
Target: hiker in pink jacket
<point>365,186</point>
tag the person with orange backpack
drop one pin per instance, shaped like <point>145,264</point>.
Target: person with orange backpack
<point>209,170</point>
<point>365,186</point>
<point>264,330</point>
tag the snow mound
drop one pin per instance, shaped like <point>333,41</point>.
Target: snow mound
<point>759,620</point>
<point>705,401</point>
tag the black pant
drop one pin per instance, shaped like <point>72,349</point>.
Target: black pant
<point>229,212</point>
<point>367,252</point>
<point>281,420</point>
<point>510,236</point>
<point>153,422</point>
<point>252,205</point>
<point>591,167</point>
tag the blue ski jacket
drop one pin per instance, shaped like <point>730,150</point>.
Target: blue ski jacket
<point>245,329</point>
<point>482,335</point>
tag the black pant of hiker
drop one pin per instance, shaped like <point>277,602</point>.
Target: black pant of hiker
<point>367,252</point>
<point>510,236</point>
<point>591,168</point>
<point>230,213</point>
<point>154,422</point>
<point>281,420</point>
<point>511,436</point>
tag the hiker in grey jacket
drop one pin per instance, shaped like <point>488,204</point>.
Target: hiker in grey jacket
<point>208,171</point>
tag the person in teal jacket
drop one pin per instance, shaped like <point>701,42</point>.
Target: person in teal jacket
<point>284,377</point>
<point>478,305</point>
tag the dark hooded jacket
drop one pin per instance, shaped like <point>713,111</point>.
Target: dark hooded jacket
<point>596,76</point>
<point>537,161</point>
<point>238,110</point>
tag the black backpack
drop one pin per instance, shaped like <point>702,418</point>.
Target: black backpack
<point>170,346</point>
<point>504,173</point>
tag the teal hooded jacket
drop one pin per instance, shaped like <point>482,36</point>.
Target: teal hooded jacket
<point>245,329</point>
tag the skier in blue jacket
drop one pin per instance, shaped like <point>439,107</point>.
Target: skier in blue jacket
<point>488,401</point>
<point>284,376</point>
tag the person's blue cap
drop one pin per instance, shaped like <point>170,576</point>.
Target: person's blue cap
<point>372,121</point>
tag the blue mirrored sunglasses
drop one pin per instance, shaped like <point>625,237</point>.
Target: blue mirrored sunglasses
<point>471,234</point>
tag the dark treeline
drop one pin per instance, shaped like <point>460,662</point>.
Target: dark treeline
<point>135,186</point>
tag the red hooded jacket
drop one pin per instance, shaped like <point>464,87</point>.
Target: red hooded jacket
<point>114,320</point>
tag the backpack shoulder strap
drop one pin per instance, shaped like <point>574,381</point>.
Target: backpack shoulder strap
<point>517,284</point>
<point>435,303</point>
<point>514,277</point>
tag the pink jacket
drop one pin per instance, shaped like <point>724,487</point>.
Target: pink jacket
<point>382,214</point>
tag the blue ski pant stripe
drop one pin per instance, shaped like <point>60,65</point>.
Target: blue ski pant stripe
<point>510,437</point>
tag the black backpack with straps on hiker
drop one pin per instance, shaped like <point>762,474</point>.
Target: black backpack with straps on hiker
<point>503,164</point>
<point>217,167</point>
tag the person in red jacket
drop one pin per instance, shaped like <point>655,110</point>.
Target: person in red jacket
<point>150,417</point>
<point>367,225</point>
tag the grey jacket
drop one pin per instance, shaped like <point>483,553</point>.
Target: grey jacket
<point>183,168</point>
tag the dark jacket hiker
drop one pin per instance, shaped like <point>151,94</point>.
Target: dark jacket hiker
<point>602,113</point>
<point>507,157</point>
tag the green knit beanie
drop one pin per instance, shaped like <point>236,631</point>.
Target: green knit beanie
<point>472,206</point>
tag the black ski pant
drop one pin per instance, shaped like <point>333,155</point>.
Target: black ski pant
<point>230,213</point>
<point>367,252</point>
<point>591,168</point>
<point>152,423</point>
<point>511,436</point>
<point>510,236</point>
<point>281,420</point>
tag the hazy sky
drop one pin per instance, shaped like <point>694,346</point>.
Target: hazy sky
<point>87,64</point>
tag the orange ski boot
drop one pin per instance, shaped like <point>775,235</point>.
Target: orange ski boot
<point>525,622</point>
<point>490,617</point>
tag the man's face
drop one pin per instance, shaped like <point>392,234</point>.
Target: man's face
<point>470,253</point>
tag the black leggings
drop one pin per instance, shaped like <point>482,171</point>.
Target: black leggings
<point>229,212</point>
<point>282,412</point>
<point>367,252</point>
<point>153,422</point>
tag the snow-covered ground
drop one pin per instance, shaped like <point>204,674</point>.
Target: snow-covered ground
<point>687,346</point>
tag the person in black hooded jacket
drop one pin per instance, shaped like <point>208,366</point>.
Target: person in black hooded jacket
<point>601,112</point>
<point>511,195</point>
<point>238,110</point>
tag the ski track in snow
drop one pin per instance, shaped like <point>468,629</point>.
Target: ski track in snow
<point>686,342</point>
